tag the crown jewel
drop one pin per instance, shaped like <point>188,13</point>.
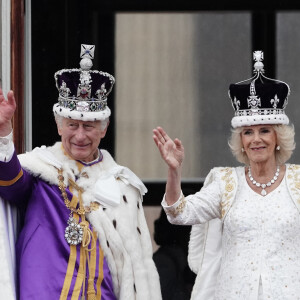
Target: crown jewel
<point>83,92</point>
<point>258,56</point>
<point>259,100</point>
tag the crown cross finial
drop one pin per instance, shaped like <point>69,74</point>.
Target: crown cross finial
<point>86,54</point>
<point>258,57</point>
<point>87,51</point>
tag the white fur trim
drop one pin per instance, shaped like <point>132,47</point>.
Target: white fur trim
<point>122,230</point>
<point>259,120</point>
<point>81,115</point>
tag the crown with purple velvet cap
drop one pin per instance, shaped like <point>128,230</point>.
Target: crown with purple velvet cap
<point>83,92</point>
<point>259,100</point>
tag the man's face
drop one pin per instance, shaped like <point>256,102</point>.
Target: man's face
<point>81,139</point>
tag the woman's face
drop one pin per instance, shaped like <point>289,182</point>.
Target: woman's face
<point>259,142</point>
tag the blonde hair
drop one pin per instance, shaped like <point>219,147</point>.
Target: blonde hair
<point>285,139</point>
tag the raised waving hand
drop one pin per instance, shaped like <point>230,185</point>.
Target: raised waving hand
<point>171,151</point>
<point>7,110</point>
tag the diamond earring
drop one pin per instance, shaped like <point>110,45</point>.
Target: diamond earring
<point>278,148</point>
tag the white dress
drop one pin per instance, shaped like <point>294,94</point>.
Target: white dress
<point>260,241</point>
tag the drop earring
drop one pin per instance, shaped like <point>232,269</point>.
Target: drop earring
<point>243,150</point>
<point>278,148</point>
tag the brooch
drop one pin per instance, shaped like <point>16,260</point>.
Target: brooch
<point>73,232</point>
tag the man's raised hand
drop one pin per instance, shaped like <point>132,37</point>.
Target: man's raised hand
<point>7,110</point>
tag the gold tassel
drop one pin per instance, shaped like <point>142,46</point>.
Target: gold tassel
<point>91,295</point>
<point>87,239</point>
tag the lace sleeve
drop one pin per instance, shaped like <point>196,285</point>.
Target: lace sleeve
<point>198,208</point>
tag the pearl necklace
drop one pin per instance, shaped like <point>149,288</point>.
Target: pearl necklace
<point>263,185</point>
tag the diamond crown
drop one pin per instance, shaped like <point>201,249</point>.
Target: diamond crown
<point>84,89</point>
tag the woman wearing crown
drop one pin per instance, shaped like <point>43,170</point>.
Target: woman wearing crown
<point>245,239</point>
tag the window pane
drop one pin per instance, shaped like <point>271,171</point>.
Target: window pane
<point>288,66</point>
<point>173,70</point>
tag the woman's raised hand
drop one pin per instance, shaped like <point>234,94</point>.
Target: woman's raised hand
<point>171,151</point>
<point>7,109</point>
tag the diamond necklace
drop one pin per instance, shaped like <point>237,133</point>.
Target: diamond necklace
<point>263,185</point>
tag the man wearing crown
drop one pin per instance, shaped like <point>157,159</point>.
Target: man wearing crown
<point>84,234</point>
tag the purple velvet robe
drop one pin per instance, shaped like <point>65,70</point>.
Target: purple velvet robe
<point>44,261</point>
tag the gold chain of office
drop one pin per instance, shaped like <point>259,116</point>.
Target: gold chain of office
<point>82,210</point>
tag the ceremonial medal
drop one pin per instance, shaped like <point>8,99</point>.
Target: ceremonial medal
<point>73,232</point>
